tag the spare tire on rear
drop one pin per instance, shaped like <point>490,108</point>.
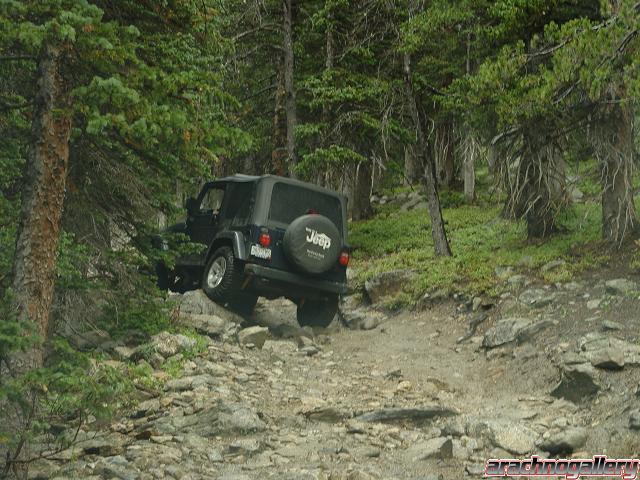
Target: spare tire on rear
<point>312,243</point>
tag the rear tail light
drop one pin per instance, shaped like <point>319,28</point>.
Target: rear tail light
<point>344,259</point>
<point>264,239</point>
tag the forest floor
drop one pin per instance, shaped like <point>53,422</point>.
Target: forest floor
<point>552,369</point>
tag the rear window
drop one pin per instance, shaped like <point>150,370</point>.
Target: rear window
<point>289,202</point>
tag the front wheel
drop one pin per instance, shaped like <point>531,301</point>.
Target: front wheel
<point>317,313</point>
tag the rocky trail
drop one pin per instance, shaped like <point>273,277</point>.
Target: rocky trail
<point>426,394</point>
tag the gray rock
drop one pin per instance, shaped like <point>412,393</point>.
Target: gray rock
<point>403,414</point>
<point>432,298</point>
<point>220,419</point>
<point>634,420</point>
<point>610,325</point>
<point>576,195</point>
<point>370,323</point>
<point>387,283</point>
<point>565,441</point>
<point>513,437</point>
<point>123,353</point>
<point>168,344</point>
<point>89,340</point>
<point>189,383</point>
<point>517,280</point>
<point>197,302</point>
<point>439,448</point>
<point>537,297</point>
<point>608,359</point>
<point>594,304</point>
<point>621,286</point>
<point>595,346</point>
<point>504,271</point>
<point>552,265</point>
<point>577,384</point>
<point>511,329</point>
<point>253,335</point>
<point>326,414</point>
<point>210,325</point>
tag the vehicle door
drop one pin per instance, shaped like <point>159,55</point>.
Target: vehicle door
<point>204,220</point>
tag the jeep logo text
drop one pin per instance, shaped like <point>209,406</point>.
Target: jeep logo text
<point>319,239</point>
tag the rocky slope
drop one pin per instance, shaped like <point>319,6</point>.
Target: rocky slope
<point>547,369</point>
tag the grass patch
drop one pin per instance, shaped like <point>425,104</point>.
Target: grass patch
<point>480,239</point>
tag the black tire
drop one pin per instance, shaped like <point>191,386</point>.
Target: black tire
<point>224,285</point>
<point>162,275</point>
<point>317,313</point>
<point>312,243</point>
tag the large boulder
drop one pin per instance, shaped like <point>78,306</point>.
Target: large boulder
<point>537,297</point>
<point>196,302</point>
<point>511,329</point>
<point>565,442</point>
<point>255,336</point>
<point>167,344</point>
<point>211,325</point>
<point>621,286</point>
<point>608,352</point>
<point>220,419</point>
<point>386,284</point>
<point>578,383</point>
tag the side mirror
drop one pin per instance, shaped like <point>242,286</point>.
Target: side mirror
<point>191,205</point>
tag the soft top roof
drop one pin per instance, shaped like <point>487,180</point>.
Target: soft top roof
<point>240,178</point>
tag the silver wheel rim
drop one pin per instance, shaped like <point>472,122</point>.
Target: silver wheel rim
<point>216,272</point>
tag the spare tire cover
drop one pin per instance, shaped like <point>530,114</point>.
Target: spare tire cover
<point>312,243</point>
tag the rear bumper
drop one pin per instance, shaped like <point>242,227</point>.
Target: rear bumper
<point>272,278</point>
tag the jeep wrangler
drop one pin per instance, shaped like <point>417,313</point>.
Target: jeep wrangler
<point>264,236</point>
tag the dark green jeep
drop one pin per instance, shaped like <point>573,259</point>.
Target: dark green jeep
<point>265,236</point>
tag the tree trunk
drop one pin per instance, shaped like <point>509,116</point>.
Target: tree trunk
<point>322,175</point>
<point>440,241</point>
<point>542,200</point>
<point>361,199</point>
<point>471,147</point>
<point>411,166</point>
<point>38,233</point>
<point>470,154</point>
<point>290,94</point>
<point>444,153</point>
<point>614,148</point>
<point>279,152</point>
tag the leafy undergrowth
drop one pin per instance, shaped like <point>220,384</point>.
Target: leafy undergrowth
<point>481,241</point>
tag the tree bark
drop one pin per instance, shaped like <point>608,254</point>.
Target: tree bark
<point>39,228</point>
<point>538,171</point>
<point>290,94</point>
<point>323,175</point>
<point>440,241</point>
<point>411,166</point>
<point>444,153</point>
<point>614,147</point>
<point>470,152</point>
<point>279,152</point>
<point>361,199</point>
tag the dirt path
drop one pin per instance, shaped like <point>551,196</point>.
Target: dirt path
<point>294,408</point>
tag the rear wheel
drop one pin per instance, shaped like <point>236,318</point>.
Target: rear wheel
<point>317,313</point>
<point>222,276</point>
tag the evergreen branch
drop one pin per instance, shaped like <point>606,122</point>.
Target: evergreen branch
<point>15,58</point>
<point>5,107</point>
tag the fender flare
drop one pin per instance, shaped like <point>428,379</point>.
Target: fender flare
<point>234,239</point>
